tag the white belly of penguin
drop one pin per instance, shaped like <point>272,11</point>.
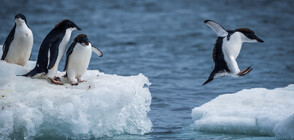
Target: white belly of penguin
<point>232,47</point>
<point>21,46</point>
<point>79,61</point>
<point>62,47</point>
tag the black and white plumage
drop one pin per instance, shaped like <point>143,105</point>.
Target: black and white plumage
<point>18,45</point>
<point>52,49</point>
<point>78,58</point>
<point>227,48</point>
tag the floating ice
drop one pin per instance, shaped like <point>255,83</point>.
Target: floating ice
<point>105,105</point>
<point>257,111</point>
<point>285,129</point>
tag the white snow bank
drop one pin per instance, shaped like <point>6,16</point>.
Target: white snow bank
<point>257,111</point>
<point>105,105</point>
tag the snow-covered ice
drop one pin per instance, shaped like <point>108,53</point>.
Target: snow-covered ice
<point>285,128</point>
<point>257,111</point>
<point>105,105</point>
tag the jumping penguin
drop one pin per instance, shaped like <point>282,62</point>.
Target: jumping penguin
<point>227,48</point>
<point>52,49</point>
<point>18,45</point>
<point>78,58</point>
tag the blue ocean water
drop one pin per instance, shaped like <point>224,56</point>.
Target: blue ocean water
<point>168,42</point>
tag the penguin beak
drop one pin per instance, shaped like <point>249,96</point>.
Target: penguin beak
<point>78,28</point>
<point>87,42</point>
<point>259,40</point>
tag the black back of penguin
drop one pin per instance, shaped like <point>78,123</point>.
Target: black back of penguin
<point>51,42</point>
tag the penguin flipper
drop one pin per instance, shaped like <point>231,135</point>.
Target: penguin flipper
<point>68,53</point>
<point>54,48</point>
<point>220,31</point>
<point>97,51</point>
<point>7,43</point>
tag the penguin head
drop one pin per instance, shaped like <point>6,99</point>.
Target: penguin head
<point>67,24</point>
<point>248,35</point>
<point>82,39</point>
<point>20,19</point>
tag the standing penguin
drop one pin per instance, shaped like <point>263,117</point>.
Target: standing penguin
<point>78,58</point>
<point>52,49</point>
<point>227,48</point>
<point>18,45</point>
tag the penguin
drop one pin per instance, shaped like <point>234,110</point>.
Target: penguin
<point>52,50</point>
<point>78,58</point>
<point>227,48</point>
<point>18,45</point>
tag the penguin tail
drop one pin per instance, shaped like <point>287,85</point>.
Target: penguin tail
<point>65,76</point>
<point>207,81</point>
<point>32,72</point>
<point>210,78</point>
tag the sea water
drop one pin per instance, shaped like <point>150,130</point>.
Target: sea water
<point>170,45</point>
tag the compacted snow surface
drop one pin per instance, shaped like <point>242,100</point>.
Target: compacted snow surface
<point>104,105</point>
<point>257,111</point>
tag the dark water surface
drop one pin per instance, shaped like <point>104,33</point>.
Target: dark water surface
<point>168,42</point>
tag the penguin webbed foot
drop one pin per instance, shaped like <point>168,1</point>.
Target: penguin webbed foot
<point>56,80</point>
<point>80,80</point>
<point>245,71</point>
<point>74,84</point>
